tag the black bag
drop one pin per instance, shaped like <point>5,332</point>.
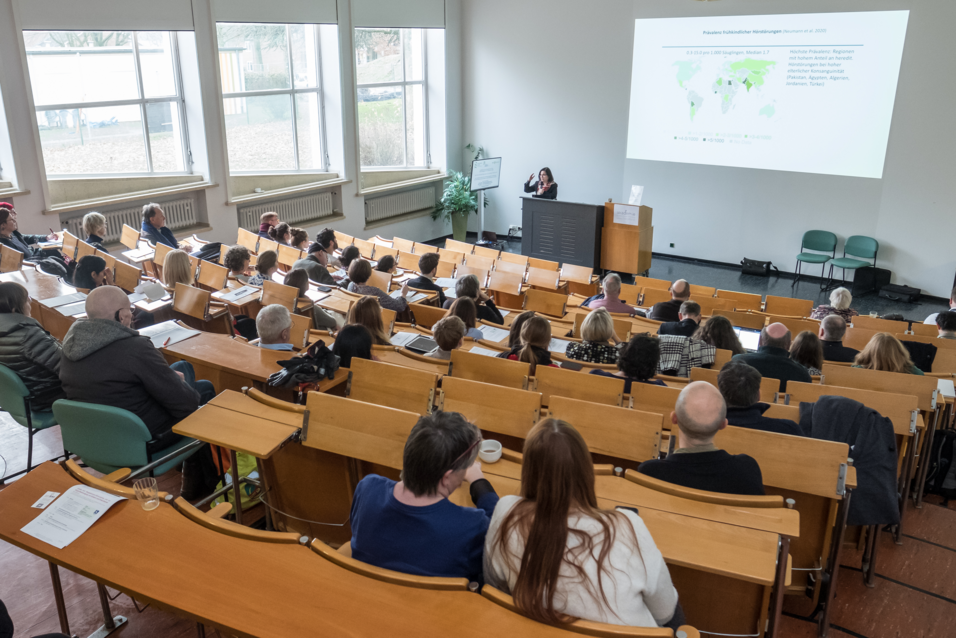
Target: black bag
<point>869,279</point>
<point>898,292</point>
<point>317,364</point>
<point>209,252</point>
<point>941,476</point>
<point>759,268</point>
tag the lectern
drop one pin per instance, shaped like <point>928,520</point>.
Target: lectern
<point>627,238</point>
<point>564,232</point>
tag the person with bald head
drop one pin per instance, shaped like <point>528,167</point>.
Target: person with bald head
<point>105,361</point>
<point>670,310</point>
<point>772,358</point>
<point>832,330</point>
<point>699,413</point>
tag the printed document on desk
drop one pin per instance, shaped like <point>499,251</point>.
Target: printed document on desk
<point>237,294</point>
<point>159,333</point>
<point>70,515</point>
<point>402,339</point>
<point>494,334</point>
<point>56,302</point>
<point>559,345</point>
<point>946,388</point>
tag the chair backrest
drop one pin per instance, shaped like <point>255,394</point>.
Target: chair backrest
<point>505,282</point>
<point>780,411</point>
<point>342,239</point>
<point>721,357</point>
<point>702,291</point>
<point>579,274</point>
<point>159,256</point>
<point>857,338</point>
<point>366,248</point>
<point>768,387</point>
<point>514,258</point>
<point>622,327</point>
<point>70,242</point>
<point>630,294</point>
<point>796,326</point>
<point>479,262</point>
<point>899,408</point>
<point>654,398</point>
<point>742,319</point>
<point>541,278</point>
<point>493,408</point>
<point>703,496</point>
<point>274,293</point>
<point>742,300</point>
<point>880,325</point>
<point>13,394</point>
<point>267,244</point>
<point>820,240</point>
<point>388,320</point>
<point>299,335</point>
<point>392,386</point>
<point>129,237</point>
<point>651,296</point>
<point>422,248</point>
<point>248,239</point>
<point>945,361</point>
<point>403,245</point>
<point>612,431</point>
<point>656,284</point>
<point>191,301</point>
<point>11,260</point>
<point>941,344</point>
<point>126,276</point>
<point>445,269</point>
<point>289,255</point>
<point>710,305</point>
<point>235,530</point>
<point>924,329</point>
<point>108,258</point>
<point>434,583</point>
<point>477,367</point>
<point>482,274</point>
<point>427,316</point>
<point>924,388</point>
<point>788,306</point>
<point>577,385</point>
<point>213,276</point>
<point>84,249</point>
<point>484,251</point>
<point>459,246</point>
<point>547,303</point>
<point>543,264</point>
<point>861,246</point>
<point>380,280</point>
<point>408,261</point>
<point>106,438</point>
<point>357,429</point>
<point>382,251</point>
<point>510,267</point>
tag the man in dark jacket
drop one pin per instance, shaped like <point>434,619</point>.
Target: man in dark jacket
<point>772,358</point>
<point>687,323</point>
<point>30,351</point>
<point>154,229</point>
<point>428,267</point>
<point>697,463</point>
<point>832,330</point>
<point>267,221</point>
<point>670,310</point>
<point>739,384</point>
<point>316,265</point>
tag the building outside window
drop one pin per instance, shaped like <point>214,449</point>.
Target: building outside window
<point>392,105</point>
<point>108,102</point>
<point>272,97</point>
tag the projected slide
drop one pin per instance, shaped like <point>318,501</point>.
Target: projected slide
<point>811,93</point>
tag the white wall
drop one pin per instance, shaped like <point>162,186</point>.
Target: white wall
<point>576,122</point>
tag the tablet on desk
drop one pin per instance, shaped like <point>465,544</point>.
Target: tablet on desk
<point>421,345</point>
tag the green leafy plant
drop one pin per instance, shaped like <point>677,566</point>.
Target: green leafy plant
<point>457,199</point>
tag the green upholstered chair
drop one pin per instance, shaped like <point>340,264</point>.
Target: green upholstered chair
<point>821,241</point>
<point>109,438</point>
<point>15,399</point>
<point>855,246</point>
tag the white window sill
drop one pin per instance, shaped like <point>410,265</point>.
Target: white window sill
<point>291,190</point>
<point>67,207</point>
<point>394,186</point>
<point>12,192</point>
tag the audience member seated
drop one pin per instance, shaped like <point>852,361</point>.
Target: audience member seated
<point>699,414</point>
<point>514,332</point>
<point>840,300</point>
<point>832,331</point>
<point>449,334</point>
<point>637,362</point>
<point>428,267</point>
<point>237,261</point>
<point>597,335</point>
<point>106,362</point>
<point>688,321</point>
<point>386,264</point>
<point>611,287</point>
<point>952,306</point>
<point>154,228</point>
<point>807,350</point>
<point>281,233</point>
<point>352,341</point>
<point>739,384</point>
<point>469,286</point>
<point>274,326</point>
<point>885,352</point>
<point>466,310</point>
<point>719,332</point>
<point>411,526</point>
<point>326,239</point>
<point>178,269</point>
<point>94,227</point>
<point>349,254</point>
<point>267,263</point>
<point>367,312</point>
<point>28,349</point>
<point>91,271</point>
<point>267,221</point>
<point>11,237</point>
<point>359,273</point>
<point>533,344</point>
<point>561,556</point>
<point>298,278</point>
<point>670,310</point>
<point>316,264</point>
<point>300,239</point>
<point>946,324</point>
<point>772,358</point>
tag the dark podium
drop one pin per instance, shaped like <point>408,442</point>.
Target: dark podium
<point>564,232</point>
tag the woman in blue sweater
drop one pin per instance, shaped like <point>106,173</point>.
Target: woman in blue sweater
<point>411,526</point>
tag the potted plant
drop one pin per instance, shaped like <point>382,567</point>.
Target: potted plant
<point>457,203</point>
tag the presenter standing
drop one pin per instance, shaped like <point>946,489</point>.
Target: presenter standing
<point>544,188</point>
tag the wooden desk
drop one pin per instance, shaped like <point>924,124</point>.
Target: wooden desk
<point>162,557</point>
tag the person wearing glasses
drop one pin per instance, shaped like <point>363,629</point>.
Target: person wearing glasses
<point>410,525</point>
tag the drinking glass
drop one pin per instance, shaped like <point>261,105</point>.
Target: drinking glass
<point>147,492</point>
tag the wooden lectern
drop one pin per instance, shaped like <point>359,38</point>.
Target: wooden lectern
<point>626,243</point>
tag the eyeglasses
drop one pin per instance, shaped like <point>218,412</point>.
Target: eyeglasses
<point>465,453</point>
<point>116,317</point>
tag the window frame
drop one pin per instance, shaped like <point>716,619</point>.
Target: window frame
<point>178,99</point>
<point>403,83</point>
<point>292,92</point>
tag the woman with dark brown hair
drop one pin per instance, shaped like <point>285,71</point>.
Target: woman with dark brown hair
<point>719,332</point>
<point>562,557</point>
<point>367,312</point>
<point>534,341</point>
<point>281,233</point>
<point>299,239</point>
<point>466,310</point>
<point>807,350</point>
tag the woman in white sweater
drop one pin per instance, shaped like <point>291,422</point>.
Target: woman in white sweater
<point>563,558</point>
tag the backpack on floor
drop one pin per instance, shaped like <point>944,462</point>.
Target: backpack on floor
<point>941,476</point>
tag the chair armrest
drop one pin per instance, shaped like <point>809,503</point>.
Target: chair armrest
<point>220,511</point>
<point>118,476</point>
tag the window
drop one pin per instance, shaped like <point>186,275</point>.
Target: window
<point>108,102</point>
<point>272,97</point>
<point>392,109</point>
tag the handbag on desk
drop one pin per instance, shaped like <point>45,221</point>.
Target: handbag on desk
<point>316,364</point>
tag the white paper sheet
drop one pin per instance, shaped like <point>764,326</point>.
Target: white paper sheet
<point>159,333</point>
<point>411,298</point>
<point>154,291</point>
<point>316,295</point>
<point>484,352</point>
<point>401,339</point>
<point>558,345</point>
<point>637,194</point>
<point>946,387</point>
<point>625,214</point>
<point>70,515</point>
<point>446,282</point>
<point>136,296</point>
<point>504,313</point>
<point>450,293</point>
<point>56,302</point>
<point>45,500</point>
<point>72,309</point>
<point>235,295</point>
<point>494,334</point>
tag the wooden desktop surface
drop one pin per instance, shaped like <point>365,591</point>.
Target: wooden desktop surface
<point>164,558</point>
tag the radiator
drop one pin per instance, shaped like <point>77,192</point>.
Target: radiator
<point>400,203</point>
<point>179,214</point>
<point>294,211</point>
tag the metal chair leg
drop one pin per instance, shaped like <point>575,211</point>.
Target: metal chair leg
<point>796,272</point>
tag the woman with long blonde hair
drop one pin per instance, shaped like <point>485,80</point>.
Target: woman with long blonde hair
<point>885,352</point>
<point>561,556</point>
<point>367,312</point>
<point>178,269</point>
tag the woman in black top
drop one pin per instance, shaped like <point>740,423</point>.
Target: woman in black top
<point>637,362</point>
<point>11,237</point>
<point>544,188</point>
<point>94,225</point>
